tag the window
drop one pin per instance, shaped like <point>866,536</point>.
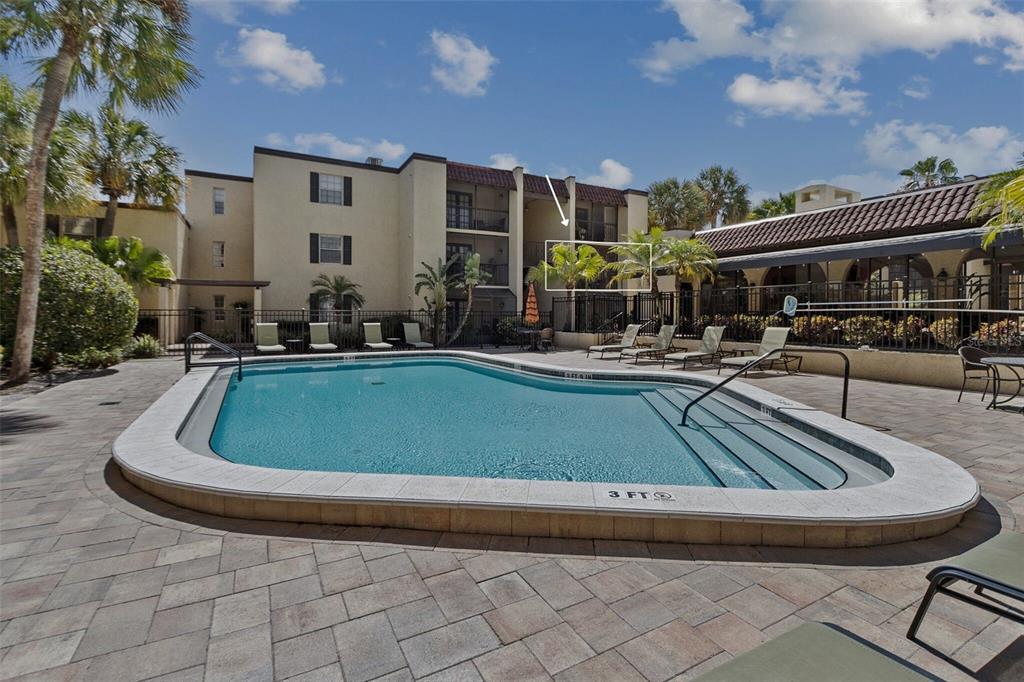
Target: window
<point>332,189</point>
<point>218,308</point>
<point>218,200</point>
<point>330,248</point>
<point>78,227</point>
<point>218,254</point>
<point>460,208</point>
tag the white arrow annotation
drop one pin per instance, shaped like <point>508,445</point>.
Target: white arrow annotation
<point>565,221</point>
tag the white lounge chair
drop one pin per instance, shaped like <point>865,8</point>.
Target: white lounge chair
<point>774,339</point>
<point>628,340</point>
<point>412,336</point>
<point>320,337</point>
<point>662,344</point>
<point>267,340</point>
<point>374,339</point>
<point>710,345</point>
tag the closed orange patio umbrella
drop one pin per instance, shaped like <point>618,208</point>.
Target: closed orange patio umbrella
<point>532,316</point>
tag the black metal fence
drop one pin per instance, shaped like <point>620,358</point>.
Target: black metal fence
<point>235,327</point>
<point>600,313</point>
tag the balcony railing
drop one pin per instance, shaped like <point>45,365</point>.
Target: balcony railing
<point>486,219</point>
<point>592,230</point>
<point>498,274</point>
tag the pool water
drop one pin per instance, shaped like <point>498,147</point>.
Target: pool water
<point>449,417</point>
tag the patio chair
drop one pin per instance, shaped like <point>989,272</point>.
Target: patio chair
<point>412,336</point>
<point>710,347</point>
<point>373,338</point>
<point>628,340</point>
<point>662,344</point>
<point>813,652</point>
<point>774,339</point>
<point>320,337</point>
<point>546,338</point>
<point>996,565</point>
<point>267,340</point>
<point>970,359</point>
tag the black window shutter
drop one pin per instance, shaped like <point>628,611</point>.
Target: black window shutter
<point>348,191</point>
<point>314,187</point>
<point>53,224</point>
<point>100,224</point>
<point>346,250</point>
<point>314,247</point>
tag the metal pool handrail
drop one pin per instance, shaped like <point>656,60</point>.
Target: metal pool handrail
<point>213,342</point>
<point>761,358</point>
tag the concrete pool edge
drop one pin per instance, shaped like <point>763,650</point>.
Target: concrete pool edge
<point>926,494</point>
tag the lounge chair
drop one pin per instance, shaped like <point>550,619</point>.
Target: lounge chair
<point>814,652</point>
<point>320,337</point>
<point>266,338</point>
<point>412,336</point>
<point>774,339</point>
<point>996,565</point>
<point>628,340</point>
<point>373,337</point>
<point>662,344</point>
<point>710,345</point>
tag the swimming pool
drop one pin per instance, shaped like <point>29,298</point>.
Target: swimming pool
<point>449,417</point>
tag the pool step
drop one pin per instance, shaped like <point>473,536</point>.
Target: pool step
<point>783,461</point>
<point>732,471</point>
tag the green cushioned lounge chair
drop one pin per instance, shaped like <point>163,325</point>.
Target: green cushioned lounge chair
<point>710,345</point>
<point>628,340</point>
<point>412,336</point>
<point>773,339</point>
<point>996,565</point>
<point>662,344</point>
<point>266,338</point>
<point>374,338</point>
<point>814,652</point>
<point>320,337</point>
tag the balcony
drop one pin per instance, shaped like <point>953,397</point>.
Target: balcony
<point>483,219</point>
<point>594,231</point>
<point>498,274</point>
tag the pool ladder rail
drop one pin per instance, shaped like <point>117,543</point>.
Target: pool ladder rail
<point>190,340</point>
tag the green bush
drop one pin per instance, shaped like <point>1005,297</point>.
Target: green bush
<point>865,329</point>
<point>91,358</point>
<point>144,346</point>
<point>945,331</point>
<point>83,304</point>
<point>815,328</point>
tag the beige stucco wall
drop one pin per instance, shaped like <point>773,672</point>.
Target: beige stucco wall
<point>421,186</point>
<point>234,227</point>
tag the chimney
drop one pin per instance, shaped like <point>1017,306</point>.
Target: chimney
<point>813,197</point>
<point>374,161</point>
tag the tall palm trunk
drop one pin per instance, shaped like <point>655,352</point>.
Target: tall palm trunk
<point>465,316</point>
<point>109,217</point>
<point>55,86</point>
<point>10,224</point>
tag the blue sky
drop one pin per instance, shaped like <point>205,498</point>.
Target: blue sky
<point>618,92</point>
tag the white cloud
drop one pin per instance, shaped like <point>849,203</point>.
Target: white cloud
<point>358,149</point>
<point>463,67</point>
<point>229,11</point>
<point>276,139</point>
<point>797,96</point>
<point>918,87</point>
<point>816,46</point>
<point>506,161</point>
<point>982,60</point>
<point>979,150</point>
<point>613,174</point>
<point>277,62</point>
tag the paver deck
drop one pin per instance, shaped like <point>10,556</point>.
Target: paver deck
<point>101,581</point>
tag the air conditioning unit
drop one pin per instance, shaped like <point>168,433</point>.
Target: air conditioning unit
<point>374,161</point>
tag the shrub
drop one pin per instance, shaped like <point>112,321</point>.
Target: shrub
<point>912,326</point>
<point>91,358</point>
<point>744,327</point>
<point>945,331</point>
<point>83,304</point>
<point>506,331</point>
<point>865,329</point>
<point>144,346</point>
<point>815,327</point>
<point>1004,333</point>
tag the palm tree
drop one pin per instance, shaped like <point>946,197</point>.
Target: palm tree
<point>139,265</point>
<point>128,159</point>
<point>338,287</point>
<point>640,257</point>
<point>769,208</point>
<point>675,205</point>
<point>930,172</point>
<point>571,265</point>
<point>693,261</point>
<point>1002,200</point>
<point>724,195</point>
<point>134,50</point>
<point>437,282</point>
<point>472,277</point>
<point>67,186</point>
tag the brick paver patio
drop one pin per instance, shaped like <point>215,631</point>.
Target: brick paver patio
<point>103,582</point>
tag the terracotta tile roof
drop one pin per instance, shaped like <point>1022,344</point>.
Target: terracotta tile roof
<point>481,175</point>
<point>536,184</point>
<point>921,211</point>
<point>602,195</point>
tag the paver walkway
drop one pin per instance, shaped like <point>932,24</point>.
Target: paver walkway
<point>103,582</point>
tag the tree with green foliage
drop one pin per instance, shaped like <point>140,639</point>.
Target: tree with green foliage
<point>771,207</point>
<point>337,287</point>
<point>67,185</point>
<point>139,265</point>
<point>675,205</point>
<point>725,196</point>
<point>692,260</point>
<point>1002,201</point>
<point>437,282</point>
<point>571,265</point>
<point>133,51</point>
<point>930,172</point>
<point>472,277</point>
<point>128,159</point>
<point>642,256</point>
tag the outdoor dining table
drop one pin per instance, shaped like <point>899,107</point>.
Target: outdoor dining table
<point>530,335</point>
<point>1011,362</point>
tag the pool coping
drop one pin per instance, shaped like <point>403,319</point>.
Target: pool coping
<point>926,493</point>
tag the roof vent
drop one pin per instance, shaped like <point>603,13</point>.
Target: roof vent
<point>970,178</point>
<point>374,160</point>
<point>814,197</point>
